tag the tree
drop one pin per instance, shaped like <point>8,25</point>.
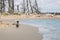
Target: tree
<point>11,6</point>
<point>36,7</point>
<point>31,6</point>
<point>24,6</point>
<point>18,8</point>
<point>27,7</point>
<point>2,6</point>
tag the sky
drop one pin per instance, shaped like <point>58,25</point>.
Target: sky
<point>49,5</point>
<point>45,5</point>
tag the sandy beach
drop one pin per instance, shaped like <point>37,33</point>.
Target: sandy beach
<point>24,32</point>
<point>32,16</point>
<point>9,31</point>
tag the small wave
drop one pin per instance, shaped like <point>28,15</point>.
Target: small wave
<point>49,28</point>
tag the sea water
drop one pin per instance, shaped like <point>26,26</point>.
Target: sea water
<point>49,28</point>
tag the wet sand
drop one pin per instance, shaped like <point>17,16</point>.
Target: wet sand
<point>24,32</point>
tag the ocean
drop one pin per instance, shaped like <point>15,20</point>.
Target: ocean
<point>50,28</point>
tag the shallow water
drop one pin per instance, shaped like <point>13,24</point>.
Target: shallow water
<point>49,28</point>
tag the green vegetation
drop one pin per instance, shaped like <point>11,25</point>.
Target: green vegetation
<point>6,14</point>
<point>16,14</point>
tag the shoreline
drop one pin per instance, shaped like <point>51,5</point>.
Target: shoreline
<point>26,30</point>
<point>10,28</point>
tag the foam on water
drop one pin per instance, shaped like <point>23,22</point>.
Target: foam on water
<point>49,28</point>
